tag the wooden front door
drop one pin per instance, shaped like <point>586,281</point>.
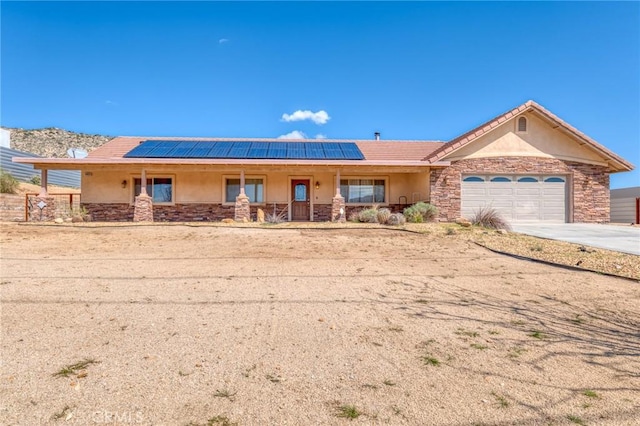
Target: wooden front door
<point>300,207</point>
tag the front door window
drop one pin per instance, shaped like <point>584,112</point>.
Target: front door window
<point>300,192</point>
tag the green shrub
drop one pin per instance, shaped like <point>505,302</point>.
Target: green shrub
<point>8,184</point>
<point>35,179</point>
<point>412,215</point>
<point>383,215</point>
<point>420,212</point>
<point>368,216</point>
<point>488,217</point>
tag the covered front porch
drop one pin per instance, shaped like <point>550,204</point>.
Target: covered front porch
<point>185,193</point>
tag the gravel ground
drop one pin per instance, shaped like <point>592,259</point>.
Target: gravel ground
<point>177,325</point>
<point>559,252</point>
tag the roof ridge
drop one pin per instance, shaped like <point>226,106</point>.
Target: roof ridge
<point>489,125</point>
<point>477,132</point>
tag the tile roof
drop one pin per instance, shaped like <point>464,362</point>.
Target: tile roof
<point>372,150</point>
<point>616,162</point>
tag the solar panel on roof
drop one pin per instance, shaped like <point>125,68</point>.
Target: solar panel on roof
<point>351,151</point>
<point>296,151</point>
<point>314,150</point>
<point>182,149</point>
<point>142,149</point>
<point>277,150</point>
<point>332,151</point>
<point>201,150</point>
<point>258,150</point>
<point>220,149</point>
<point>246,149</point>
<point>239,150</point>
<point>163,150</point>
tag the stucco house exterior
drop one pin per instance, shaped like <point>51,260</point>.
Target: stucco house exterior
<point>527,163</point>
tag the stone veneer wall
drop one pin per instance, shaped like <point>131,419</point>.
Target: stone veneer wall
<point>588,184</point>
<point>123,212</point>
<point>110,212</point>
<point>47,214</point>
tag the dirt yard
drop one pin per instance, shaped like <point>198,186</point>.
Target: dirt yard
<point>184,325</point>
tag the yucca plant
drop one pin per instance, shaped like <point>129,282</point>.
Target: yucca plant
<point>488,217</point>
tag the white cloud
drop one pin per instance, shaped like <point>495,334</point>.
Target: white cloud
<point>321,136</point>
<point>296,134</point>
<point>223,41</point>
<point>112,103</point>
<point>320,117</point>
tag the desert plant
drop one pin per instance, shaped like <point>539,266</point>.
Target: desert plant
<point>383,215</point>
<point>396,219</point>
<point>8,184</point>
<point>369,215</point>
<point>35,179</point>
<point>420,212</point>
<point>275,217</point>
<point>348,411</point>
<point>353,216</point>
<point>488,217</point>
<point>79,214</point>
<point>412,215</point>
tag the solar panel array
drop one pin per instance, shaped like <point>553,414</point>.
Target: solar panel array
<point>247,150</point>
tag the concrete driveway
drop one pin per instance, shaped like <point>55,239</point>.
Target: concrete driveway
<point>625,239</point>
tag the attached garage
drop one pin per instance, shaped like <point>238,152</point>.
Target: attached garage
<point>519,198</point>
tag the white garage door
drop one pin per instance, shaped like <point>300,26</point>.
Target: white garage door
<point>518,198</point>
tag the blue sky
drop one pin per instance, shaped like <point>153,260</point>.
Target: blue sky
<point>419,70</point>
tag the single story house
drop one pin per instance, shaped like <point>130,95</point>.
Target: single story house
<point>527,163</point>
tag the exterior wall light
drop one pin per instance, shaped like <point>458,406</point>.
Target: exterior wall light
<point>317,185</point>
<point>124,183</point>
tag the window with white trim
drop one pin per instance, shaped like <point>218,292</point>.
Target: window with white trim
<point>522,124</point>
<point>363,190</point>
<point>253,188</point>
<point>160,189</point>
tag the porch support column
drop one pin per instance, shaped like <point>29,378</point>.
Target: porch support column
<point>143,182</point>
<point>243,208</point>
<point>43,206</point>
<point>242,182</point>
<point>338,209</point>
<point>44,175</point>
<point>143,205</point>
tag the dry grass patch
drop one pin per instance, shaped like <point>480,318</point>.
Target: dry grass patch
<point>559,252</point>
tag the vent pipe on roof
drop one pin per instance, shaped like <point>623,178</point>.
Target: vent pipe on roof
<point>376,136</point>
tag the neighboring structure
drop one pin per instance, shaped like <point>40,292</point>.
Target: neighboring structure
<point>25,172</point>
<point>5,138</point>
<point>625,205</point>
<point>526,163</point>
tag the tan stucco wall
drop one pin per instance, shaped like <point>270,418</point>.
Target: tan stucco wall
<point>540,140</point>
<point>105,186</point>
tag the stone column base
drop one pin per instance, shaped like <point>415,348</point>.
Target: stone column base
<point>48,212</point>
<point>143,209</point>
<point>243,209</point>
<point>338,210</point>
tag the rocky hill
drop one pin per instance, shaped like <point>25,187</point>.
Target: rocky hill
<point>53,142</point>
